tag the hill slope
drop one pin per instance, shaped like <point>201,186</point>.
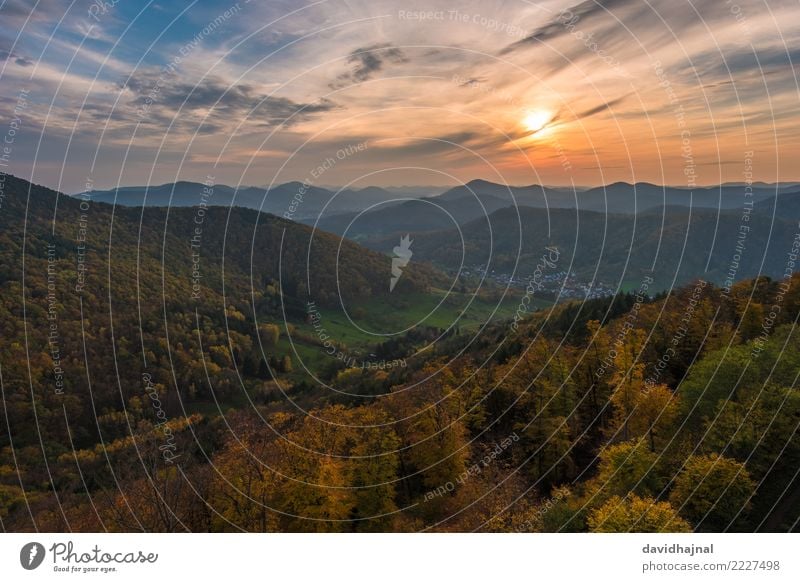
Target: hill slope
<point>94,297</point>
<point>675,245</point>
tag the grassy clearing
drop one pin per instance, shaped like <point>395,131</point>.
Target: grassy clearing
<point>380,319</point>
<point>380,315</point>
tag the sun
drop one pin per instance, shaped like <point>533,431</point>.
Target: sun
<point>537,120</point>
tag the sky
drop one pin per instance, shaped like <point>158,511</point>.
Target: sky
<point>99,94</point>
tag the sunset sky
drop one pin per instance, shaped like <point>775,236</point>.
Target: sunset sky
<point>550,92</point>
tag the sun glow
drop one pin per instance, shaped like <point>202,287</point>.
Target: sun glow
<point>537,120</point>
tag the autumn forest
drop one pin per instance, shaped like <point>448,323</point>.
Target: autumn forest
<point>133,402</point>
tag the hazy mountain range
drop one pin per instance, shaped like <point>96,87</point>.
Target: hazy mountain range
<point>479,199</point>
<point>611,234</point>
<point>357,213</point>
<point>292,199</point>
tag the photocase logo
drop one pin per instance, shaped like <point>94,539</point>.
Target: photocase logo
<point>31,555</point>
<point>402,254</point>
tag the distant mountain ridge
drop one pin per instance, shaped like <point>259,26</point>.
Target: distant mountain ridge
<point>477,200</point>
<point>619,197</point>
<point>293,200</point>
<point>306,203</point>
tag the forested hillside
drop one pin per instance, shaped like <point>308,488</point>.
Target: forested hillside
<point>675,244</point>
<point>134,402</point>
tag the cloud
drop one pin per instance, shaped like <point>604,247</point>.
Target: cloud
<point>585,12</point>
<point>733,63</point>
<point>18,59</point>
<point>7,52</point>
<point>627,27</point>
<point>367,61</point>
<point>473,82</point>
<point>600,108</point>
<point>17,12</point>
<point>455,145</point>
<point>219,101</point>
<point>736,77</point>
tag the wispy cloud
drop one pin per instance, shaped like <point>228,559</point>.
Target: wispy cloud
<point>588,13</point>
<point>367,61</point>
<point>218,100</point>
